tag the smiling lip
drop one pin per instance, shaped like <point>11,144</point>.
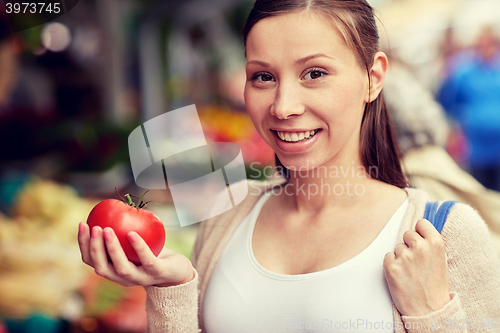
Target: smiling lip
<point>295,141</point>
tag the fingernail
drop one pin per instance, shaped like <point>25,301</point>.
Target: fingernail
<point>81,227</point>
<point>132,237</point>
<point>95,232</point>
<point>107,235</point>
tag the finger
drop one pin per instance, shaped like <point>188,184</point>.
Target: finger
<point>122,266</point>
<point>431,235</point>
<point>412,239</point>
<point>98,251</point>
<point>98,256</point>
<point>114,248</point>
<point>84,242</point>
<point>392,268</point>
<point>400,249</point>
<point>146,256</point>
<point>425,229</point>
<point>388,259</point>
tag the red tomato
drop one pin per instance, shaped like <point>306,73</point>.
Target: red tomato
<point>123,218</point>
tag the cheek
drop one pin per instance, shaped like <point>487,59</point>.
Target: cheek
<point>340,105</point>
<point>352,100</point>
<point>250,104</point>
<point>256,105</point>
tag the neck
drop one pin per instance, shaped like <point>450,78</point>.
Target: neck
<point>336,184</point>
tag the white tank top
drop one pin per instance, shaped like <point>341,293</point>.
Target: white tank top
<point>242,296</point>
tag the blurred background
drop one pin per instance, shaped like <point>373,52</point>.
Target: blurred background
<point>72,90</point>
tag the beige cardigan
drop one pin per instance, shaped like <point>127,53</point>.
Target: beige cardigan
<point>474,271</point>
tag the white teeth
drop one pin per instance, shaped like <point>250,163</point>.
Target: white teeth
<point>296,136</point>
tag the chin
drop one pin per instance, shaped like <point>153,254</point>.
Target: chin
<point>296,164</point>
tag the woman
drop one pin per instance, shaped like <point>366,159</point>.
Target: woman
<point>341,245</point>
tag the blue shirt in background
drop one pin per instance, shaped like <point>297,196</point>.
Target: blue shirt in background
<point>471,95</point>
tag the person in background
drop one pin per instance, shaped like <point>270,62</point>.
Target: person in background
<point>471,95</point>
<point>422,132</point>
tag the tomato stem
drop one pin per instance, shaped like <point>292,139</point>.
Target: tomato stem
<point>118,193</point>
<point>141,202</point>
<point>145,204</point>
<point>129,200</point>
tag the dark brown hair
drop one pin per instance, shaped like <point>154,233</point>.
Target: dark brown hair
<point>355,20</point>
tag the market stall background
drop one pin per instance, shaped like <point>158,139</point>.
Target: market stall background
<point>72,90</point>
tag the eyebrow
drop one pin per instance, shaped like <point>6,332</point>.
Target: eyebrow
<point>313,56</point>
<point>297,62</point>
<point>258,62</point>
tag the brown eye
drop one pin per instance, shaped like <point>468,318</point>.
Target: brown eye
<point>314,75</point>
<point>262,77</point>
<point>266,77</point>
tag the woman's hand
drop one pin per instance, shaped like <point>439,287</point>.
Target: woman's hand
<point>168,269</point>
<point>417,273</point>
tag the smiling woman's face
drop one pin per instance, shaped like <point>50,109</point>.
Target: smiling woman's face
<point>305,90</point>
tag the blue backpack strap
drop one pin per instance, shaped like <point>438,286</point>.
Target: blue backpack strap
<point>430,211</point>
<point>438,218</point>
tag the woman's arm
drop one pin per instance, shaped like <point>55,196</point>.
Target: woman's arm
<point>173,309</point>
<point>474,268</point>
<point>169,279</point>
<point>474,279</point>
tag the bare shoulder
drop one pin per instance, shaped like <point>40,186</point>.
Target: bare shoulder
<point>386,196</point>
<point>392,191</point>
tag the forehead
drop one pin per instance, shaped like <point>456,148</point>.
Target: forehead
<point>294,34</point>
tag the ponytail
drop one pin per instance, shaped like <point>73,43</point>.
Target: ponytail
<point>378,147</point>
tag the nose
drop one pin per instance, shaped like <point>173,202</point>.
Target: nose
<point>287,102</point>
